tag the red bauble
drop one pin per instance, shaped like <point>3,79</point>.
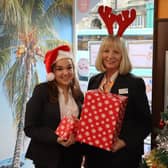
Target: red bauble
<point>153,166</point>
<point>161,124</point>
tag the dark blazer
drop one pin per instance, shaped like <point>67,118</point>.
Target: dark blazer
<point>41,120</point>
<point>136,125</point>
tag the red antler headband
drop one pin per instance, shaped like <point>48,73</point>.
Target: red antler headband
<point>124,19</point>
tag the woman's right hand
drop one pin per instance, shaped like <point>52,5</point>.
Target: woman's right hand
<point>119,144</point>
<point>68,142</point>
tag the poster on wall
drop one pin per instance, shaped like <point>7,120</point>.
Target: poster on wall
<point>140,53</point>
<point>93,48</point>
<point>82,67</point>
<point>148,84</point>
<point>93,51</point>
<point>25,38</point>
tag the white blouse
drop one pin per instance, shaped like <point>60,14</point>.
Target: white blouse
<point>67,108</point>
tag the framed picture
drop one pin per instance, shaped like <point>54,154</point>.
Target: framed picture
<point>93,51</point>
<point>140,53</point>
<point>148,84</point>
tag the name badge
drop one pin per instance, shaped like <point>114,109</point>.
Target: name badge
<point>123,91</point>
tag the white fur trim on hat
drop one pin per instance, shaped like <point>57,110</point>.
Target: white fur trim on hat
<point>63,54</point>
<point>50,76</point>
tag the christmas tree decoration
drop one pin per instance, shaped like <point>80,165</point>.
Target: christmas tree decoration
<point>158,157</point>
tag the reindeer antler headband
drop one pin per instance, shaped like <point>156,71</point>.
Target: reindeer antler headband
<point>124,19</point>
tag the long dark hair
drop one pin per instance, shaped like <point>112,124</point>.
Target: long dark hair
<point>74,86</point>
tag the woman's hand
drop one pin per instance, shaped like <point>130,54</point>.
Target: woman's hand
<point>119,144</point>
<point>68,142</point>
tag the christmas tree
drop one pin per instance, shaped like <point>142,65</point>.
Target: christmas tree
<point>158,156</point>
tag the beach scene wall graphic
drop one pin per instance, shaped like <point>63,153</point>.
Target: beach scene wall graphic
<point>27,30</point>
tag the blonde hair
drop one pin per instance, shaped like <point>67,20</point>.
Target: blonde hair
<point>119,44</point>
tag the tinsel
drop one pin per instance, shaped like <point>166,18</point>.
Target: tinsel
<point>158,157</point>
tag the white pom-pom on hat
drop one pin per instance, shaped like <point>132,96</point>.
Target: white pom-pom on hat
<point>50,76</point>
<point>52,56</point>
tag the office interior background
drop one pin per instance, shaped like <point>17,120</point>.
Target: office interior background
<point>79,25</point>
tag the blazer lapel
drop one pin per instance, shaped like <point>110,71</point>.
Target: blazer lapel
<point>95,82</point>
<point>120,86</point>
<point>117,85</point>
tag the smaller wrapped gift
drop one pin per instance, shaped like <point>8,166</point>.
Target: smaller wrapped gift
<point>101,119</point>
<point>66,127</point>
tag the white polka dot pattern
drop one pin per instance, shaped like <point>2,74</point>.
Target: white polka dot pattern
<point>66,127</point>
<point>101,118</point>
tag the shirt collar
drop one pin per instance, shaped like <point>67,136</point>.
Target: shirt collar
<point>61,90</point>
<point>113,76</point>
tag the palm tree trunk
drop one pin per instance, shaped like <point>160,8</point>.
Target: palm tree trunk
<point>20,133</point>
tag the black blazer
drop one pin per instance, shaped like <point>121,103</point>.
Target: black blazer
<point>41,120</point>
<point>137,120</point>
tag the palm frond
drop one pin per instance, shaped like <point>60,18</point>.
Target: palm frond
<point>18,109</point>
<point>11,8</point>
<point>60,8</point>
<point>35,81</point>
<point>20,98</point>
<point>4,59</point>
<point>11,80</point>
<point>14,84</point>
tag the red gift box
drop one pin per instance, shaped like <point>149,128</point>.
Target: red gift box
<point>101,119</point>
<point>66,127</point>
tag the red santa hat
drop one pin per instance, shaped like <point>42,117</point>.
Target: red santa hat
<point>52,56</point>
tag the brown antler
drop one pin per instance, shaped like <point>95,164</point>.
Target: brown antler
<point>108,17</point>
<point>125,21</point>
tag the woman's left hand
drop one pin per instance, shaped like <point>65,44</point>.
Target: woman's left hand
<point>119,144</point>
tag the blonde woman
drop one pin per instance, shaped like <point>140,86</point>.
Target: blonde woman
<point>115,77</point>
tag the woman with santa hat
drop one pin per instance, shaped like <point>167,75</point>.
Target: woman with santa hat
<point>51,101</point>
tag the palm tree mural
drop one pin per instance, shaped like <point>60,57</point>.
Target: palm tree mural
<point>27,31</point>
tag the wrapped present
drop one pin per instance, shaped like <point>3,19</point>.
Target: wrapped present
<point>66,127</point>
<point>101,119</point>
